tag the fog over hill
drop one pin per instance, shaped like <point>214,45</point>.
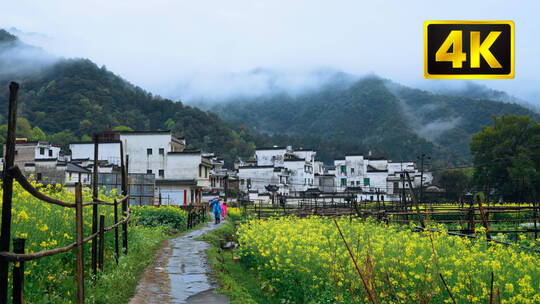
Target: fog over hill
<point>325,109</point>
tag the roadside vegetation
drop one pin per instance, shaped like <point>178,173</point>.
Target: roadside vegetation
<point>293,260</point>
<point>44,226</point>
<point>306,261</point>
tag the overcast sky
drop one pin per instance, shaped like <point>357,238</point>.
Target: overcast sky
<point>181,49</point>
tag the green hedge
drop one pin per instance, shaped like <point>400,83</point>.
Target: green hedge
<point>172,217</point>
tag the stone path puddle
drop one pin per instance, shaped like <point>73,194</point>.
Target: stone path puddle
<point>178,274</point>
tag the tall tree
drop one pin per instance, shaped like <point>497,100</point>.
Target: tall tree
<point>506,157</point>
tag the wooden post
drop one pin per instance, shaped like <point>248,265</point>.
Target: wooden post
<point>7,186</point>
<point>414,199</point>
<point>124,228</point>
<point>80,249</point>
<point>116,250</point>
<point>18,273</point>
<point>484,219</point>
<point>101,241</point>
<point>123,171</point>
<point>95,207</point>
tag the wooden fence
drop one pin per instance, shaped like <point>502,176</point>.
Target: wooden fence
<point>18,257</point>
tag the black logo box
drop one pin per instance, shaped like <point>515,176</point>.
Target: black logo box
<point>502,48</point>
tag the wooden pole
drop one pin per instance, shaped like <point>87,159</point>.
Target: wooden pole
<point>18,273</point>
<point>116,250</point>
<point>80,249</point>
<point>7,185</point>
<point>95,207</point>
<point>123,170</point>
<point>484,219</point>
<point>101,241</point>
<point>413,195</point>
<point>124,208</point>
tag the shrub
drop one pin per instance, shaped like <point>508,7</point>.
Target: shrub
<point>172,217</point>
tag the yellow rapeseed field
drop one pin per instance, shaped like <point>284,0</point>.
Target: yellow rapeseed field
<point>306,261</point>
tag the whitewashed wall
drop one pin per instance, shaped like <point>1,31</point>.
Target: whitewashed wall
<point>106,151</point>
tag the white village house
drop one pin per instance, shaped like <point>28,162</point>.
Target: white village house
<point>180,175</point>
<point>292,171</point>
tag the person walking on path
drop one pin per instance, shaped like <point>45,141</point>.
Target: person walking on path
<point>217,211</point>
<point>224,210</point>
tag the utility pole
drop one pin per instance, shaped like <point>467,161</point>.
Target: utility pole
<point>421,157</point>
<point>226,185</point>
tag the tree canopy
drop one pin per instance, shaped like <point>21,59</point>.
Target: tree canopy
<point>506,158</point>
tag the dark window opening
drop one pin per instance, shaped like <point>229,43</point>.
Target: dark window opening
<point>161,172</point>
<point>50,153</point>
<point>42,151</point>
<point>148,151</point>
<point>161,151</point>
<point>148,171</point>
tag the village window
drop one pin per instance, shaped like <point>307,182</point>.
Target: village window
<point>366,181</point>
<point>344,182</point>
<point>161,151</point>
<point>38,176</point>
<point>344,169</point>
<point>148,171</point>
<point>205,172</point>
<point>200,171</point>
<point>358,183</point>
<point>161,173</point>
<point>352,170</point>
<point>50,153</point>
<point>242,182</point>
<point>149,151</point>
<point>42,151</point>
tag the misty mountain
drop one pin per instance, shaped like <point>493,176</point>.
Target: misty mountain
<point>376,114</point>
<point>473,90</point>
<point>73,98</point>
<point>20,59</point>
<point>334,113</point>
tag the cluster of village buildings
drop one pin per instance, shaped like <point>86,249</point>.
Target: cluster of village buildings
<point>295,172</point>
<point>163,171</point>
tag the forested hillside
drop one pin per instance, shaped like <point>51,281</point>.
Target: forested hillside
<point>376,114</point>
<point>70,99</point>
<point>65,100</point>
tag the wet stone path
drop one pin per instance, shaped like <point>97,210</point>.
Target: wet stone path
<point>179,273</point>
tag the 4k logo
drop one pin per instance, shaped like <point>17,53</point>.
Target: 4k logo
<point>468,49</point>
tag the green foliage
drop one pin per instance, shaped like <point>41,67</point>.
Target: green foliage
<point>117,284</point>
<point>62,138</point>
<point>172,217</point>
<point>506,158</point>
<point>456,183</point>
<point>122,128</point>
<point>238,282</point>
<point>37,134</point>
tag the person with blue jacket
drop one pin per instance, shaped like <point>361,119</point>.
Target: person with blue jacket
<point>217,210</point>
